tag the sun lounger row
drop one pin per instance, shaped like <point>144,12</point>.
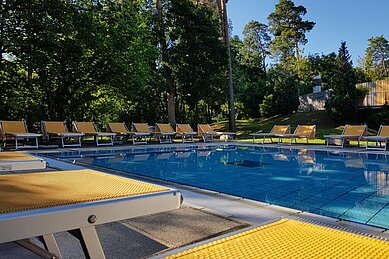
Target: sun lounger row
<point>350,133</point>
<point>284,132</point>
<point>17,131</point>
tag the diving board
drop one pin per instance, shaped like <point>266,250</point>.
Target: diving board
<point>41,204</point>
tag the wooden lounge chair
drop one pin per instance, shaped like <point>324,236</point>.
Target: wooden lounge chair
<point>41,204</point>
<point>206,132</point>
<point>285,238</point>
<point>302,131</point>
<point>58,129</point>
<point>140,132</point>
<point>89,129</point>
<point>350,132</point>
<point>120,128</point>
<point>164,132</point>
<point>185,131</point>
<point>277,129</point>
<point>381,139</point>
<point>17,130</point>
<point>12,161</point>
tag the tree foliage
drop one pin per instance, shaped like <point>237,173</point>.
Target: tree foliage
<point>289,28</point>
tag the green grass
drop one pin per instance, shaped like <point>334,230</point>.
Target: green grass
<point>324,125</point>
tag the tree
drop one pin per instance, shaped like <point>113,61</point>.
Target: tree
<point>197,56</point>
<point>341,103</point>
<point>283,98</point>
<point>255,44</point>
<point>289,28</point>
<point>377,56</point>
<point>249,69</point>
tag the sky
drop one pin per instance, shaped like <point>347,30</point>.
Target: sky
<point>353,21</point>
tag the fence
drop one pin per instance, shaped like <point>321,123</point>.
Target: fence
<point>378,95</point>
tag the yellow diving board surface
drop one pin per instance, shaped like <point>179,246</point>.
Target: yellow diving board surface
<point>12,161</point>
<point>289,239</point>
<point>40,204</point>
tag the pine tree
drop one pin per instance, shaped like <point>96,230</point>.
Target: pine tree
<point>341,104</point>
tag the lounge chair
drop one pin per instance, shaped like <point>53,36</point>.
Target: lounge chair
<point>350,132</point>
<point>285,238</point>
<point>12,161</point>
<point>381,139</point>
<point>277,129</point>
<point>302,131</point>
<point>58,129</point>
<point>164,132</point>
<point>185,131</point>
<point>17,130</point>
<point>140,132</point>
<point>89,129</point>
<point>206,132</point>
<point>120,128</point>
<point>41,204</point>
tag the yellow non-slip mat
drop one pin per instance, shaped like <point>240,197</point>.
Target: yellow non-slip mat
<point>290,239</point>
<point>42,190</point>
<point>14,156</point>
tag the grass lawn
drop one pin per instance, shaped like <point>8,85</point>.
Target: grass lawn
<point>324,125</point>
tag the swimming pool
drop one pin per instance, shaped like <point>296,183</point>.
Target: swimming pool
<point>347,186</point>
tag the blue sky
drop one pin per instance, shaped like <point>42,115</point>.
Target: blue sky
<point>353,21</point>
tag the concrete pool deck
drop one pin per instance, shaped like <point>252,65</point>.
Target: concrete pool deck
<point>204,214</point>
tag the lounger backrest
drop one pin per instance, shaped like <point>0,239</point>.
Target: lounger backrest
<point>164,127</point>
<point>204,128</point>
<point>309,130</point>
<point>183,128</point>
<point>54,127</point>
<point>354,130</point>
<point>13,127</point>
<point>384,131</point>
<point>140,127</point>
<point>280,129</point>
<point>117,127</point>
<point>84,127</point>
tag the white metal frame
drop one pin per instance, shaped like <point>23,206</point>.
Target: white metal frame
<point>164,137</point>
<point>21,136</point>
<point>185,135</point>
<point>295,136</point>
<point>269,135</point>
<point>344,138</point>
<point>83,218</point>
<point>378,140</point>
<point>96,135</point>
<point>63,136</point>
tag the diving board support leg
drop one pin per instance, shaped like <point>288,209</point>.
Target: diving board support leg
<point>51,245</point>
<point>89,241</point>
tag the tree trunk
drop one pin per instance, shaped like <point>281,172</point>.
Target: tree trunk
<point>171,108</point>
<point>226,38</point>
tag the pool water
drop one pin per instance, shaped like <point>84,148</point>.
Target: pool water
<point>347,186</point>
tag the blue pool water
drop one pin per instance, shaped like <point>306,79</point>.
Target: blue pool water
<point>349,186</point>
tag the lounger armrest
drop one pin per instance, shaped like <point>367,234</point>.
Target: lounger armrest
<point>373,138</point>
<point>140,134</point>
<point>343,136</point>
<point>106,134</point>
<point>166,133</point>
<point>226,133</point>
<point>70,134</point>
<point>262,134</point>
<point>26,135</point>
<point>208,133</point>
